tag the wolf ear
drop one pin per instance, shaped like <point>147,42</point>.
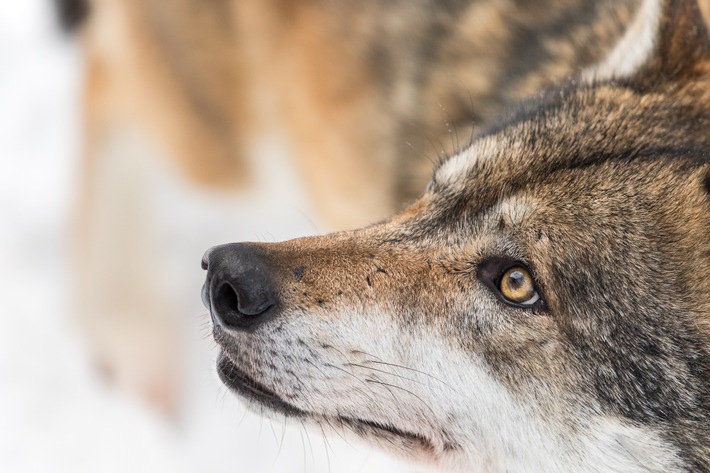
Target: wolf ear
<point>667,41</point>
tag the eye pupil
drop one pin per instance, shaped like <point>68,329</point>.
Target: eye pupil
<point>517,279</point>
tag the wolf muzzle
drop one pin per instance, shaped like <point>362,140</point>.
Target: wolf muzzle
<point>239,290</point>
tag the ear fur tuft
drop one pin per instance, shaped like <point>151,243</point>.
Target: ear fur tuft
<point>682,42</point>
<point>667,41</point>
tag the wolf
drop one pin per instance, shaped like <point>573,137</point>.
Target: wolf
<point>541,307</point>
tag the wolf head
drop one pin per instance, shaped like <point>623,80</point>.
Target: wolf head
<point>543,306</point>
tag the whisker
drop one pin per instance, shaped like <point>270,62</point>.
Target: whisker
<point>386,372</point>
<point>348,372</point>
<point>313,457</point>
<point>244,416</point>
<point>326,378</point>
<point>366,395</point>
<point>421,154</point>
<point>439,151</point>
<point>633,456</point>
<point>394,365</point>
<point>451,130</point>
<point>271,424</point>
<point>338,433</point>
<point>283,436</point>
<point>303,444</point>
<point>405,390</point>
<point>261,427</point>
<point>326,445</point>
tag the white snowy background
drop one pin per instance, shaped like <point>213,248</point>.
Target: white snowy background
<point>55,415</point>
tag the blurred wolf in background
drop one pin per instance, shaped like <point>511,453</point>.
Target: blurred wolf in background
<point>366,95</point>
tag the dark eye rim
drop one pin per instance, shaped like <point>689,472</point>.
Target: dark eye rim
<point>491,271</point>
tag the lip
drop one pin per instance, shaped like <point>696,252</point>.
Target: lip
<point>371,428</point>
<point>245,386</point>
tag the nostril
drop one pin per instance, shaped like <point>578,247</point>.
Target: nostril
<point>226,306</point>
<point>227,298</point>
<point>237,306</point>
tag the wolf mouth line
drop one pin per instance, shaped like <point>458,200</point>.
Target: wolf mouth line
<point>245,386</point>
<point>385,431</point>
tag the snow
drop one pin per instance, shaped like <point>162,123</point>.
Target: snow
<point>55,415</point>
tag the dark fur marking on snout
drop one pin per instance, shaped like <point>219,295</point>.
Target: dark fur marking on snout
<point>298,273</point>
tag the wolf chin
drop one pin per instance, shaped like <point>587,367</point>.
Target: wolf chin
<point>541,307</point>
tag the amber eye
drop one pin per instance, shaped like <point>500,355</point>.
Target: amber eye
<point>517,286</point>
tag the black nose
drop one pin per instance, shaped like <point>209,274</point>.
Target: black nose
<point>239,290</point>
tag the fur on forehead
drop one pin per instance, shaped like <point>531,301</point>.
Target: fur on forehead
<point>622,113</point>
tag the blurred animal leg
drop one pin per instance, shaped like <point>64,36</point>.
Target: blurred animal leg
<point>123,306</point>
